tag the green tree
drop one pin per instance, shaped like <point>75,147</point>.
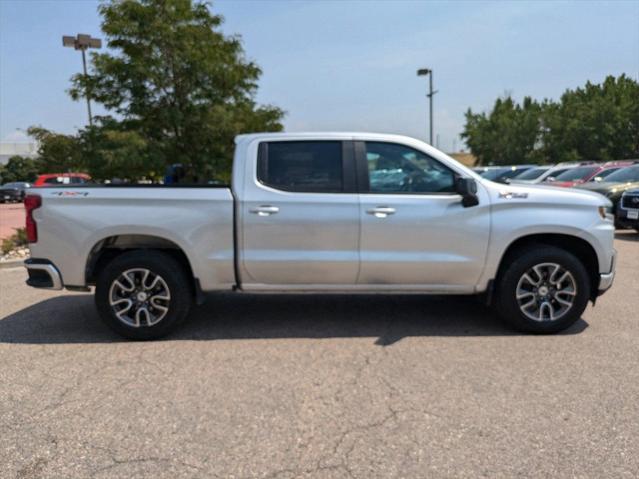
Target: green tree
<point>18,168</point>
<point>57,153</point>
<point>177,82</point>
<point>596,122</point>
<point>508,135</point>
<point>112,152</point>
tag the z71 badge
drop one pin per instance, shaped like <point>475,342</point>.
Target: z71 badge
<point>511,195</point>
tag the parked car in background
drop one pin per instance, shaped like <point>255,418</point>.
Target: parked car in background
<point>612,166</point>
<point>628,211</point>
<point>53,179</point>
<point>503,174</point>
<point>540,174</point>
<point>615,185</point>
<point>13,191</point>
<point>576,176</point>
<point>592,172</point>
<point>530,175</point>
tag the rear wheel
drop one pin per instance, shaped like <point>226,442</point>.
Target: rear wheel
<point>143,294</point>
<point>543,291</point>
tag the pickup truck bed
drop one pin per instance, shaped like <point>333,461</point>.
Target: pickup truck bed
<point>75,223</point>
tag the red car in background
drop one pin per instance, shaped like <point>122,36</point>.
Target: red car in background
<point>52,179</point>
<point>582,174</point>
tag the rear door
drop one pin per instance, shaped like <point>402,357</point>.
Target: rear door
<point>300,216</point>
<point>415,231</point>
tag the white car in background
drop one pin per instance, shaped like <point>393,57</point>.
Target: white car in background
<point>541,174</point>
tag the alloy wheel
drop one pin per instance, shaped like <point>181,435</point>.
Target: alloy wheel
<point>546,292</point>
<point>139,297</point>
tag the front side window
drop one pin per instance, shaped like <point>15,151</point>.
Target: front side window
<point>302,166</point>
<point>394,168</point>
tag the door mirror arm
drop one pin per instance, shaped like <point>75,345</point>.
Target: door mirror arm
<point>467,188</point>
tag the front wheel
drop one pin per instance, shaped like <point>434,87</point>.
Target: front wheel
<point>543,291</point>
<point>143,294</point>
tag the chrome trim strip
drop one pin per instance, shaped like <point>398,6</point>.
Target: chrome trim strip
<point>51,270</point>
<point>605,281</point>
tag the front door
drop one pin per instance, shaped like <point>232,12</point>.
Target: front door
<point>300,216</point>
<point>414,229</point>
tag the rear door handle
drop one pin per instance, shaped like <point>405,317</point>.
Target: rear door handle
<point>265,210</point>
<point>381,211</point>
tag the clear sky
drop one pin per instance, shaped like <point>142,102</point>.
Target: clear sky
<point>349,65</point>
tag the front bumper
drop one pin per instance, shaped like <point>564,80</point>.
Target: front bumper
<point>623,220</point>
<point>606,279</point>
<point>43,274</point>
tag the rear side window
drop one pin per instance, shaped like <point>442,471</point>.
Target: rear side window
<point>302,166</point>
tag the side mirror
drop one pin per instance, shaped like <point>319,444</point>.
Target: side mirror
<point>467,188</point>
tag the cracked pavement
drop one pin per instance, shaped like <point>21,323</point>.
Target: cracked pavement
<point>262,386</point>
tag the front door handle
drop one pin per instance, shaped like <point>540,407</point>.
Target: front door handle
<point>381,211</point>
<point>265,210</point>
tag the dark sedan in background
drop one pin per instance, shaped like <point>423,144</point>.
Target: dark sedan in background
<point>13,192</point>
<point>615,184</point>
<point>628,210</point>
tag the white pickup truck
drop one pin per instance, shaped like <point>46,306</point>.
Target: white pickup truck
<point>324,212</point>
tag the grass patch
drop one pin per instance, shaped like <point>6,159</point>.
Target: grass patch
<point>18,239</point>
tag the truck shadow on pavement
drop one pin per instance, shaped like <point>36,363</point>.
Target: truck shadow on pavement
<point>388,318</point>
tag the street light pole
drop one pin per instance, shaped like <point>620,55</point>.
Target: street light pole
<point>84,67</point>
<point>430,94</point>
<point>83,42</point>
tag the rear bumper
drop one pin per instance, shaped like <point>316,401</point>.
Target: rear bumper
<point>606,279</point>
<point>43,274</point>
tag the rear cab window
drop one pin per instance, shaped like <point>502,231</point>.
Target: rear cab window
<point>302,166</point>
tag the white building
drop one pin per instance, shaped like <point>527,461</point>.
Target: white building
<point>22,148</point>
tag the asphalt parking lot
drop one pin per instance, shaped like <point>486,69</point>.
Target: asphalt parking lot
<point>327,387</point>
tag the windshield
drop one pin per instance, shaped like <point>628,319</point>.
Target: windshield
<point>577,173</point>
<point>602,174</point>
<point>494,173</point>
<point>532,174</point>
<point>625,174</point>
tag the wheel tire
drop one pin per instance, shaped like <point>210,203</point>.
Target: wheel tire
<point>174,279</point>
<point>508,307</point>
